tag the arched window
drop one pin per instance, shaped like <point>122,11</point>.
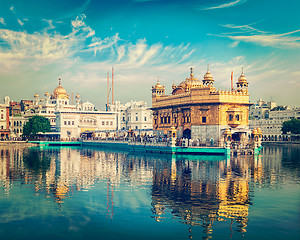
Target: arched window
<point>230,117</point>
<point>237,117</point>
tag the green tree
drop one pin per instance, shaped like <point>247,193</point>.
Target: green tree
<point>35,125</point>
<point>292,126</point>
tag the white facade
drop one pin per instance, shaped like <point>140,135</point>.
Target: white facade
<point>71,124</point>
<point>4,119</point>
<point>261,109</point>
<point>16,125</point>
<point>133,115</point>
<point>3,116</point>
<point>271,127</point>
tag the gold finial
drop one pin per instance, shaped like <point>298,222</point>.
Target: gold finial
<point>191,72</point>
<point>207,67</point>
<point>242,70</point>
<point>59,81</point>
<point>158,79</point>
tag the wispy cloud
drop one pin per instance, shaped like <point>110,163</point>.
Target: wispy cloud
<point>226,5</point>
<point>20,22</point>
<point>266,39</point>
<point>2,21</point>
<point>12,9</point>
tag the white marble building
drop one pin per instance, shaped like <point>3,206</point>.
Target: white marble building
<point>133,115</point>
<point>271,127</point>
<point>69,120</point>
<point>70,124</point>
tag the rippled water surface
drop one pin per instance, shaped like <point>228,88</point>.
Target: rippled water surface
<point>89,193</point>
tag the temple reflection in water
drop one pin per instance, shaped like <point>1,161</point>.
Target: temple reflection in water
<point>198,191</point>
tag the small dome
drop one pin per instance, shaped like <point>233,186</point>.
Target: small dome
<point>259,130</point>
<point>173,86</point>
<point>242,79</point>
<point>158,85</point>
<point>42,100</point>
<point>36,95</point>
<point>77,96</point>
<point>254,131</point>
<point>47,94</point>
<point>208,76</point>
<point>59,92</point>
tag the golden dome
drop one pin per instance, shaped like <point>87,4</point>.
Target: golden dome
<point>259,131</point>
<point>208,76</point>
<point>60,92</point>
<point>254,131</point>
<point>77,96</point>
<point>36,95</point>
<point>242,79</point>
<point>158,85</point>
<point>47,94</point>
<point>42,100</point>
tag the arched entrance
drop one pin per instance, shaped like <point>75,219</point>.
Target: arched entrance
<point>236,137</point>
<point>187,133</point>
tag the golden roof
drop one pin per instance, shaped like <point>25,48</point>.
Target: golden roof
<point>190,82</point>
<point>242,79</point>
<point>60,92</point>
<point>158,85</point>
<point>208,76</point>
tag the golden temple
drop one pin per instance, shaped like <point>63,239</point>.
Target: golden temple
<point>198,110</point>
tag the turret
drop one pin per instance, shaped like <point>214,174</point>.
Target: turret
<point>158,90</point>
<point>208,78</point>
<point>242,84</point>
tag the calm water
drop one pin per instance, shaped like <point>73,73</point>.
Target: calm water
<point>76,193</point>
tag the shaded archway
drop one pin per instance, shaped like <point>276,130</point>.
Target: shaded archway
<point>187,133</point>
<point>236,137</point>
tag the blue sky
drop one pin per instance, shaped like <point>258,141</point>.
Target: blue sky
<point>80,40</point>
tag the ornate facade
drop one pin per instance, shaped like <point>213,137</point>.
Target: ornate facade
<point>199,111</point>
<point>68,120</point>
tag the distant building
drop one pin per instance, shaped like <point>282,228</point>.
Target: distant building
<point>133,115</point>
<point>198,111</point>
<point>271,122</point>
<point>26,105</point>
<point>70,124</point>
<point>14,108</point>
<point>261,109</point>
<point>16,126</point>
<point>4,120</point>
<point>69,121</point>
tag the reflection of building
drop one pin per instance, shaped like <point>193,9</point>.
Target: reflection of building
<point>133,115</point>
<point>204,192</point>
<point>197,110</point>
